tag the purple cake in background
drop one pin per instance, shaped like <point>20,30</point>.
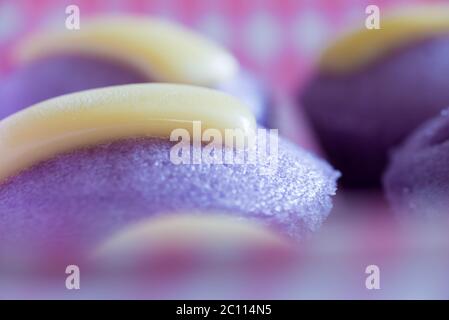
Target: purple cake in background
<point>57,75</point>
<point>374,87</point>
<point>417,179</point>
<point>57,64</point>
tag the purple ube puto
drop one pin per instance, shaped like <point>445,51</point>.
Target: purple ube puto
<point>360,115</point>
<point>417,179</point>
<point>56,75</point>
<point>79,198</point>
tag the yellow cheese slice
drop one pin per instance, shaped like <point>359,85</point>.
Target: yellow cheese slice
<point>90,117</point>
<point>362,46</point>
<point>165,51</point>
<point>206,230</point>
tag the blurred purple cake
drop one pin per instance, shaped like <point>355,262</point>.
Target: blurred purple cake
<point>123,50</point>
<point>374,87</point>
<point>57,75</point>
<point>417,179</point>
<point>80,167</point>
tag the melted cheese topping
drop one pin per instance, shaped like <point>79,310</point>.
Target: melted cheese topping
<point>191,231</point>
<point>361,47</point>
<point>165,51</point>
<point>90,117</point>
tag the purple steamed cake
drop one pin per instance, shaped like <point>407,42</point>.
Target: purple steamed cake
<point>417,179</point>
<point>62,74</point>
<point>85,195</point>
<point>360,115</point>
<point>57,75</point>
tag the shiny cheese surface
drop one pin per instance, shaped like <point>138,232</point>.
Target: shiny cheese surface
<point>165,51</point>
<point>90,117</point>
<point>363,46</point>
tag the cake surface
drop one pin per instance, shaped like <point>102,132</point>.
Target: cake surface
<point>80,167</point>
<point>417,180</point>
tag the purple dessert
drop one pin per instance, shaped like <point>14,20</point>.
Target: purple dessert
<point>417,179</point>
<point>53,76</point>
<point>360,114</point>
<point>57,75</point>
<point>79,198</point>
<point>123,49</point>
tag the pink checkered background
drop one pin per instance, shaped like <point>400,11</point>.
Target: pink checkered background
<point>276,39</point>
